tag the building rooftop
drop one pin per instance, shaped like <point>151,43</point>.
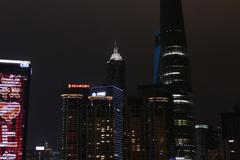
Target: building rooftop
<point>115,56</point>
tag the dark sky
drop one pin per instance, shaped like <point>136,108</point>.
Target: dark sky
<point>71,40</point>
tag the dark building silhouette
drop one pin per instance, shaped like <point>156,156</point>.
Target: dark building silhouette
<point>43,153</point>
<point>14,95</point>
<point>174,71</point>
<point>150,124</point>
<point>134,132</point>
<point>105,124</point>
<point>215,150</point>
<point>159,123</point>
<point>75,103</point>
<point>201,142</point>
<point>230,123</point>
<point>116,70</point>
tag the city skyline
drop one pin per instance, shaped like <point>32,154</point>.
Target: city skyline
<point>209,84</point>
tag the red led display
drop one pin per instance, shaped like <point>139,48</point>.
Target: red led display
<point>78,86</point>
<point>11,116</point>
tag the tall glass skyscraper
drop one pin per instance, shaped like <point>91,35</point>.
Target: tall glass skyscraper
<point>174,72</point>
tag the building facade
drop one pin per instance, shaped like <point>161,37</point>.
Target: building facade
<point>201,142</point>
<point>150,124</point>
<point>92,123</point>
<point>14,94</point>
<point>159,122</point>
<point>134,133</point>
<point>174,71</point>
<point>105,123</point>
<point>215,145</point>
<point>75,103</point>
<point>230,123</point>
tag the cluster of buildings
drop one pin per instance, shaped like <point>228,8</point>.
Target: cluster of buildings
<point>104,123</point>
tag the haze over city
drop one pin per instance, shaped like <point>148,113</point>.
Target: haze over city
<point>71,41</point>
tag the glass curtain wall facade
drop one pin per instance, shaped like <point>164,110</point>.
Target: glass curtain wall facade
<point>174,72</point>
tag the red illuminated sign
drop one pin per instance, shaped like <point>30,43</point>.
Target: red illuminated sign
<point>11,116</point>
<point>78,86</point>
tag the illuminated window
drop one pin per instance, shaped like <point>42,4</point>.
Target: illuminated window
<point>181,122</point>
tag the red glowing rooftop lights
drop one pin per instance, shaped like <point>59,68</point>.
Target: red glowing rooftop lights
<point>73,85</point>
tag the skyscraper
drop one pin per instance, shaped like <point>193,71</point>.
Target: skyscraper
<point>134,131</point>
<point>174,71</point>
<point>215,146</point>
<point>105,123</point>
<point>150,124</point>
<point>74,121</point>
<point>116,70</point>
<point>14,95</point>
<point>159,122</point>
<point>201,142</point>
<point>231,134</point>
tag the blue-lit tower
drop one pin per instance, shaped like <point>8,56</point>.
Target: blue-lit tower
<point>174,72</point>
<point>157,54</point>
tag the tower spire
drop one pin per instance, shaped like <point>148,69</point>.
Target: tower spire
<point>115,56</point>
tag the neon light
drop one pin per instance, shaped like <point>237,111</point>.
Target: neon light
<point>78,86</point>
<point>231,141</point>
<point>14,61</point>
<point>40,148</point>
<point>11,116</point>
<point>100,94</point>
<point>23,64</point>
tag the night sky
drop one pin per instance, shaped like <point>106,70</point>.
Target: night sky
<point>71,40</point>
